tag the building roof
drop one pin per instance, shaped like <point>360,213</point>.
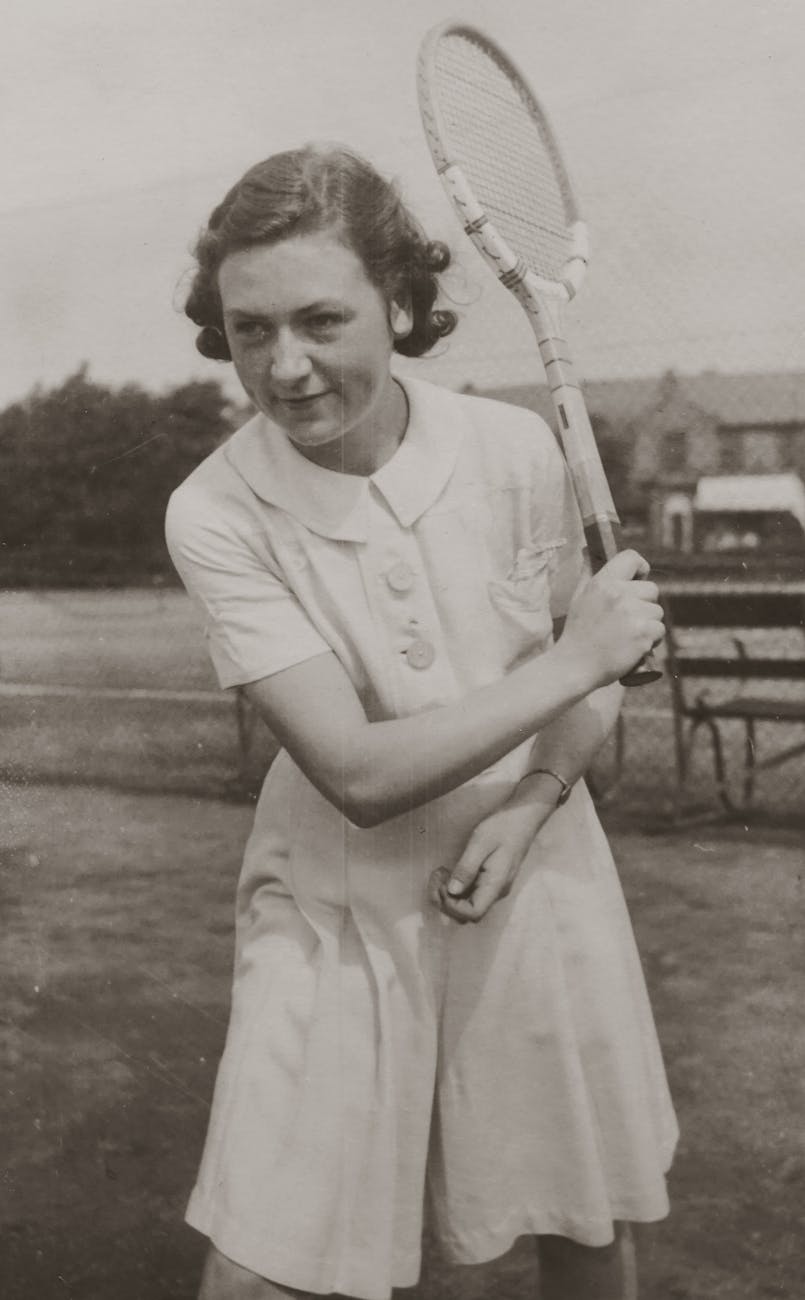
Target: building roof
<point>752,492</point>
<point>736,400</point>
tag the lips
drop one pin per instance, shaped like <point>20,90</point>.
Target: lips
<point>297,402</point>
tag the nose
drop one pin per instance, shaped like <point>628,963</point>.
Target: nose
<point>290,362</point>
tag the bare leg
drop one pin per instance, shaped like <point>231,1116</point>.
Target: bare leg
<point>223,1279</point>
<point>570,1271</point>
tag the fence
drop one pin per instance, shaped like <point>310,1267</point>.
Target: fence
<point>114,688</point>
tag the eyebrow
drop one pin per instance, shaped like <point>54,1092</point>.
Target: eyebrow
<point>323,304</point>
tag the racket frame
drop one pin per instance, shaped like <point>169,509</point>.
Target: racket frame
<point>458,187</point>
<point>541,299</point>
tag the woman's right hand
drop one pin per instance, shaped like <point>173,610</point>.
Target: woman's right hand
<point>614,618</point>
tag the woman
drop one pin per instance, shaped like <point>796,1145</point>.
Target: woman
<point>385,568</point>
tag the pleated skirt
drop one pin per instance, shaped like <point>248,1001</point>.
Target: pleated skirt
<point>380,1056</point>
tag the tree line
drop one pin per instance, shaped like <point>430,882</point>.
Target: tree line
<point>86,471</point>
<point>85,475</point>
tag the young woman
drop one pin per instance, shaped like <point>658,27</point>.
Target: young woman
<point>395,575</point>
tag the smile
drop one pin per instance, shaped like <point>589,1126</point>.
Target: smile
<point>298,403</point>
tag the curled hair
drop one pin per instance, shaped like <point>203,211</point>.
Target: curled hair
<point>311,189</point>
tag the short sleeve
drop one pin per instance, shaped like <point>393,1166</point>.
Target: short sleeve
<point>255,624</point>
<point>557,522</point>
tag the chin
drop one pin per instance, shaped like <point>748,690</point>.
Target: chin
<point>311,437</point>
<point>311,433</point>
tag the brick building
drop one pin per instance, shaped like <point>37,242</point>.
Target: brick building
<point>678,429</point>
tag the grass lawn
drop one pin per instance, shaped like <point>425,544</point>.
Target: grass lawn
<point>133,637</point>
<point>152,640</point>
<point>115,964</point>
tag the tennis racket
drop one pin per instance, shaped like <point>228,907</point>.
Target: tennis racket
<point>500,164</point>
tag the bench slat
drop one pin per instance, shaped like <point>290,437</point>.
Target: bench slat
<point>759,709</point>
<point>728,609</point>
<point>709,666</point>
<point>736,610</point>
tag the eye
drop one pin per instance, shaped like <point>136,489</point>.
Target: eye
<point>252,331</point>
<point>324,322</point>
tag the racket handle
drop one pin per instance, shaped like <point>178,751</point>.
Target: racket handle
<point>644,673</point>
<point>603,541</point>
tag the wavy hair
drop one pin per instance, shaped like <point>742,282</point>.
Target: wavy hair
<point>310,189</point>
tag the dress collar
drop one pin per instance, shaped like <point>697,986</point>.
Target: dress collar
<point>336,505</point>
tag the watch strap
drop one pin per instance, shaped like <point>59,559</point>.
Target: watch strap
<point>564,786</point>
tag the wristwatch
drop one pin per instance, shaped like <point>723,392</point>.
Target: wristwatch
<point>564,786</point>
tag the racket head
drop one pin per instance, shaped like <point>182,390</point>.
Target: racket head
<point>482,119</point>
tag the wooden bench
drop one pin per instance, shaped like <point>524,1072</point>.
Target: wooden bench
<point>724,616</point>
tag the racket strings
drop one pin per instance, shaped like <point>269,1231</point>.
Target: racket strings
<point>494,135</point>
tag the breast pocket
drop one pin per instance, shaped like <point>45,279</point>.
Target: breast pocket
<point>522,601</point>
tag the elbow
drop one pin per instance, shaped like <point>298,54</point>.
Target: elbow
<point>365,790</point>
<point>360,795</point>
<point>365,802</point>
<point>363,815</point>
<point>365,809</point>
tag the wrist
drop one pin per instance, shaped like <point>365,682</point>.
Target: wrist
<point>547,785</point>
<point>575,666</point>
<point>519,820</point>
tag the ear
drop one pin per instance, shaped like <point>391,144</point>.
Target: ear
<point>401,319</point>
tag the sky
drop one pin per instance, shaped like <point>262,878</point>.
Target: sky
<point>122,125</point>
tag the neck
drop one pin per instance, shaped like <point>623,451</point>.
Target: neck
<point>367,447</point>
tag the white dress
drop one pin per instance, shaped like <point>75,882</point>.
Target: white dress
<point>374,1046</point>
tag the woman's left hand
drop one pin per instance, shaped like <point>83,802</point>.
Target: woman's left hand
<point>487,868</point>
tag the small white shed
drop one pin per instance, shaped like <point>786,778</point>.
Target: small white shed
<point>743,510</point>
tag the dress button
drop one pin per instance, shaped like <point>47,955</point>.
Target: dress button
<point>420,654</point>
<point>400,578</point>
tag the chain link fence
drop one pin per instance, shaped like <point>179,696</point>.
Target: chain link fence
<point>113,688</point>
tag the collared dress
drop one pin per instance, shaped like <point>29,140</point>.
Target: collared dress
<point>375,1048</point>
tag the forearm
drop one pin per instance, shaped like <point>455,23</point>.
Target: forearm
<point>569,743</point>
<point>498,844</point>
<point>376,770</point>
<point>566,746</point>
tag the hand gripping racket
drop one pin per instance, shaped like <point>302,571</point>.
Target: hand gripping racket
<point>500,164</point>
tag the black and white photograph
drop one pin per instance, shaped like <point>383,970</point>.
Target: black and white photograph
<point>402,650</point>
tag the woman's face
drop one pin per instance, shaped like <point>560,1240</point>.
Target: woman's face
<point>310,337</point>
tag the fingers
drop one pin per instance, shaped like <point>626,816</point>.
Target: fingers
<point>438,895</point>
<point>492,883</point>
<point>461,880</point>
<point>632,588</point>
<point>649,629</point>
<point>437,884</point>
<point>653,613</point>
<point>614,619</point>
<point>627,565</point>
<point>492,880</point>
<point>642,596</point>
<point>645,590</point>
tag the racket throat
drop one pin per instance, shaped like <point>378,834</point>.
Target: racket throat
<point>597,509</point>
<point>603,537</point>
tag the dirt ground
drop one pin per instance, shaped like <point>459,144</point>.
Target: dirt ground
<point>115,960</point>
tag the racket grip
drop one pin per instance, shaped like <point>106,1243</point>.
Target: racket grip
<point>603,541</point>
<point>644,673</point>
